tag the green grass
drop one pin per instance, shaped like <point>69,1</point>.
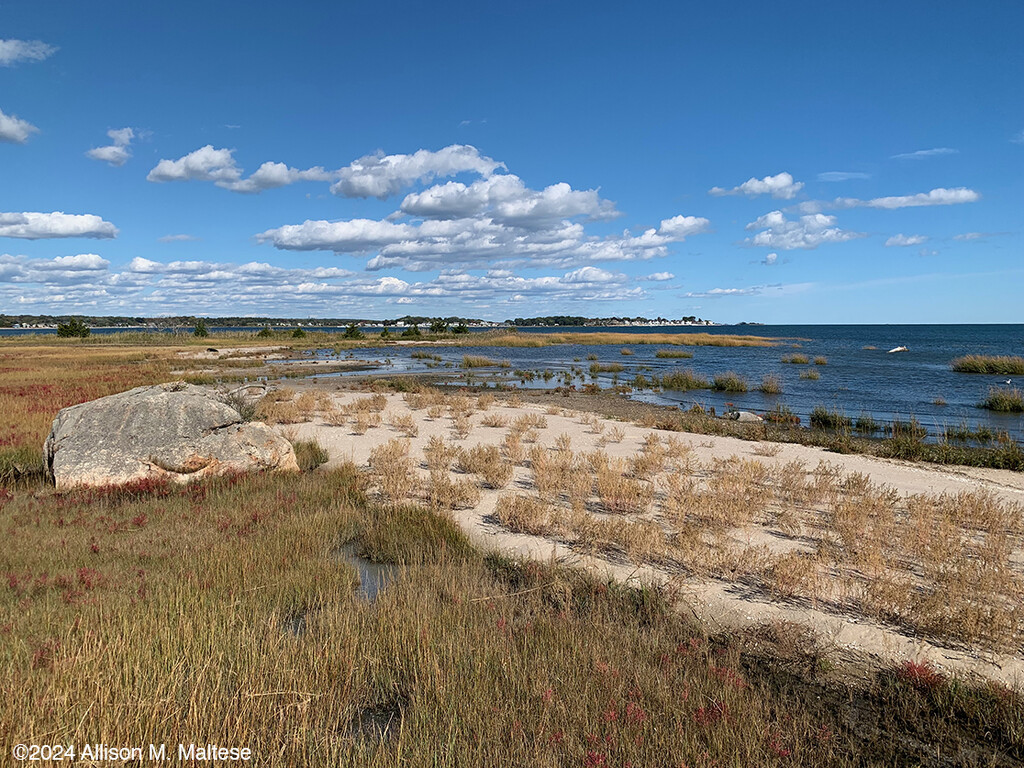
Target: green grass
<point>796,359</point>
<point>223,612</point>
<point>823,418</point>
<point>1002,365</point>
<point>729,382</point>
<point>479,361</point>
<point>670,354</point>
<point>866,424</point>
<point>1004,400</point>
<point>771,385</point>
<point>682,380</point>
<point>596,368</point>
<point>310,454</point>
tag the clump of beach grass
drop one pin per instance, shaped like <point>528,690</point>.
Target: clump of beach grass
<point>392,471</point>
<point>729,381</point>
<point>771,385</point>
<point>865,424</point>
<point>310,454</point>
<point>823,418</point>
<point>523,514</point>
<point>487,462</point>
<point>1004,400</point>
<point>670,354</point>
<point>404,423</point>
<point>797,359</point>
<point>810,374</point>
<point>596,368</point>
<point>1001,365</point>
<point>479,361</point>
<point>682,380</point>
<point>821,360</point>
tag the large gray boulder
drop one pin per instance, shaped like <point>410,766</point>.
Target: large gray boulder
<point>176,431</point>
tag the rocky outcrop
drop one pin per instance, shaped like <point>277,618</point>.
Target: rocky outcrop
<point>176,431</point>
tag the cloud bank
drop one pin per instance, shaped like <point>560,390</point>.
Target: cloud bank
<point>40,226</point>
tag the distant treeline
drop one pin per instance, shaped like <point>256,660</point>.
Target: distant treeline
<point>576,320</point>
<point>109,321</point>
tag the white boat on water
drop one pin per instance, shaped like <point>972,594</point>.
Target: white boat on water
<point>896,349</point>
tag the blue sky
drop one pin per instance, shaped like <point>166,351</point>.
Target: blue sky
<point>801,162</point>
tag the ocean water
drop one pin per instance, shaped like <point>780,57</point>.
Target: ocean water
<point>860,377</point>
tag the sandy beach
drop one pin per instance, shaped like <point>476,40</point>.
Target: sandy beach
<point>723,599</point>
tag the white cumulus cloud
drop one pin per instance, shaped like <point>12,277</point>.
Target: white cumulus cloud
<point>382,176</point>
<point>39,226</point>
<point>903,241</point>
<point>15,51</point>
<point>808,232</point>
<point>219,166</point>
<point>353,236</point>
<point>14,129</point>
<point>479,242</point>
<point>505,199</point>
<point>780,186</point>
<point>117,152</point>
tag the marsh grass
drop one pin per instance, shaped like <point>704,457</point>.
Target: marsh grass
<point>1001,365</point>
<point>823,418</point>
<point>310,454</point>
<point>729,382</point>
<point>810,374</point>
<point>223,608</point>
<point>670,354</point>
<point>771,384</point>
<point>681,380</point>
<point>797,359</point>
<point>487,462</point>
<point>596,368</point>
<point>1004,400</point>
<point>501,338</point>
<point>479,361</point>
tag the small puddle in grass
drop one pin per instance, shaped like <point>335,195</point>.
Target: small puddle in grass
<point>373,577</point>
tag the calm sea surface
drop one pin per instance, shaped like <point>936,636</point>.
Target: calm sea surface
<point>860,377</point>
